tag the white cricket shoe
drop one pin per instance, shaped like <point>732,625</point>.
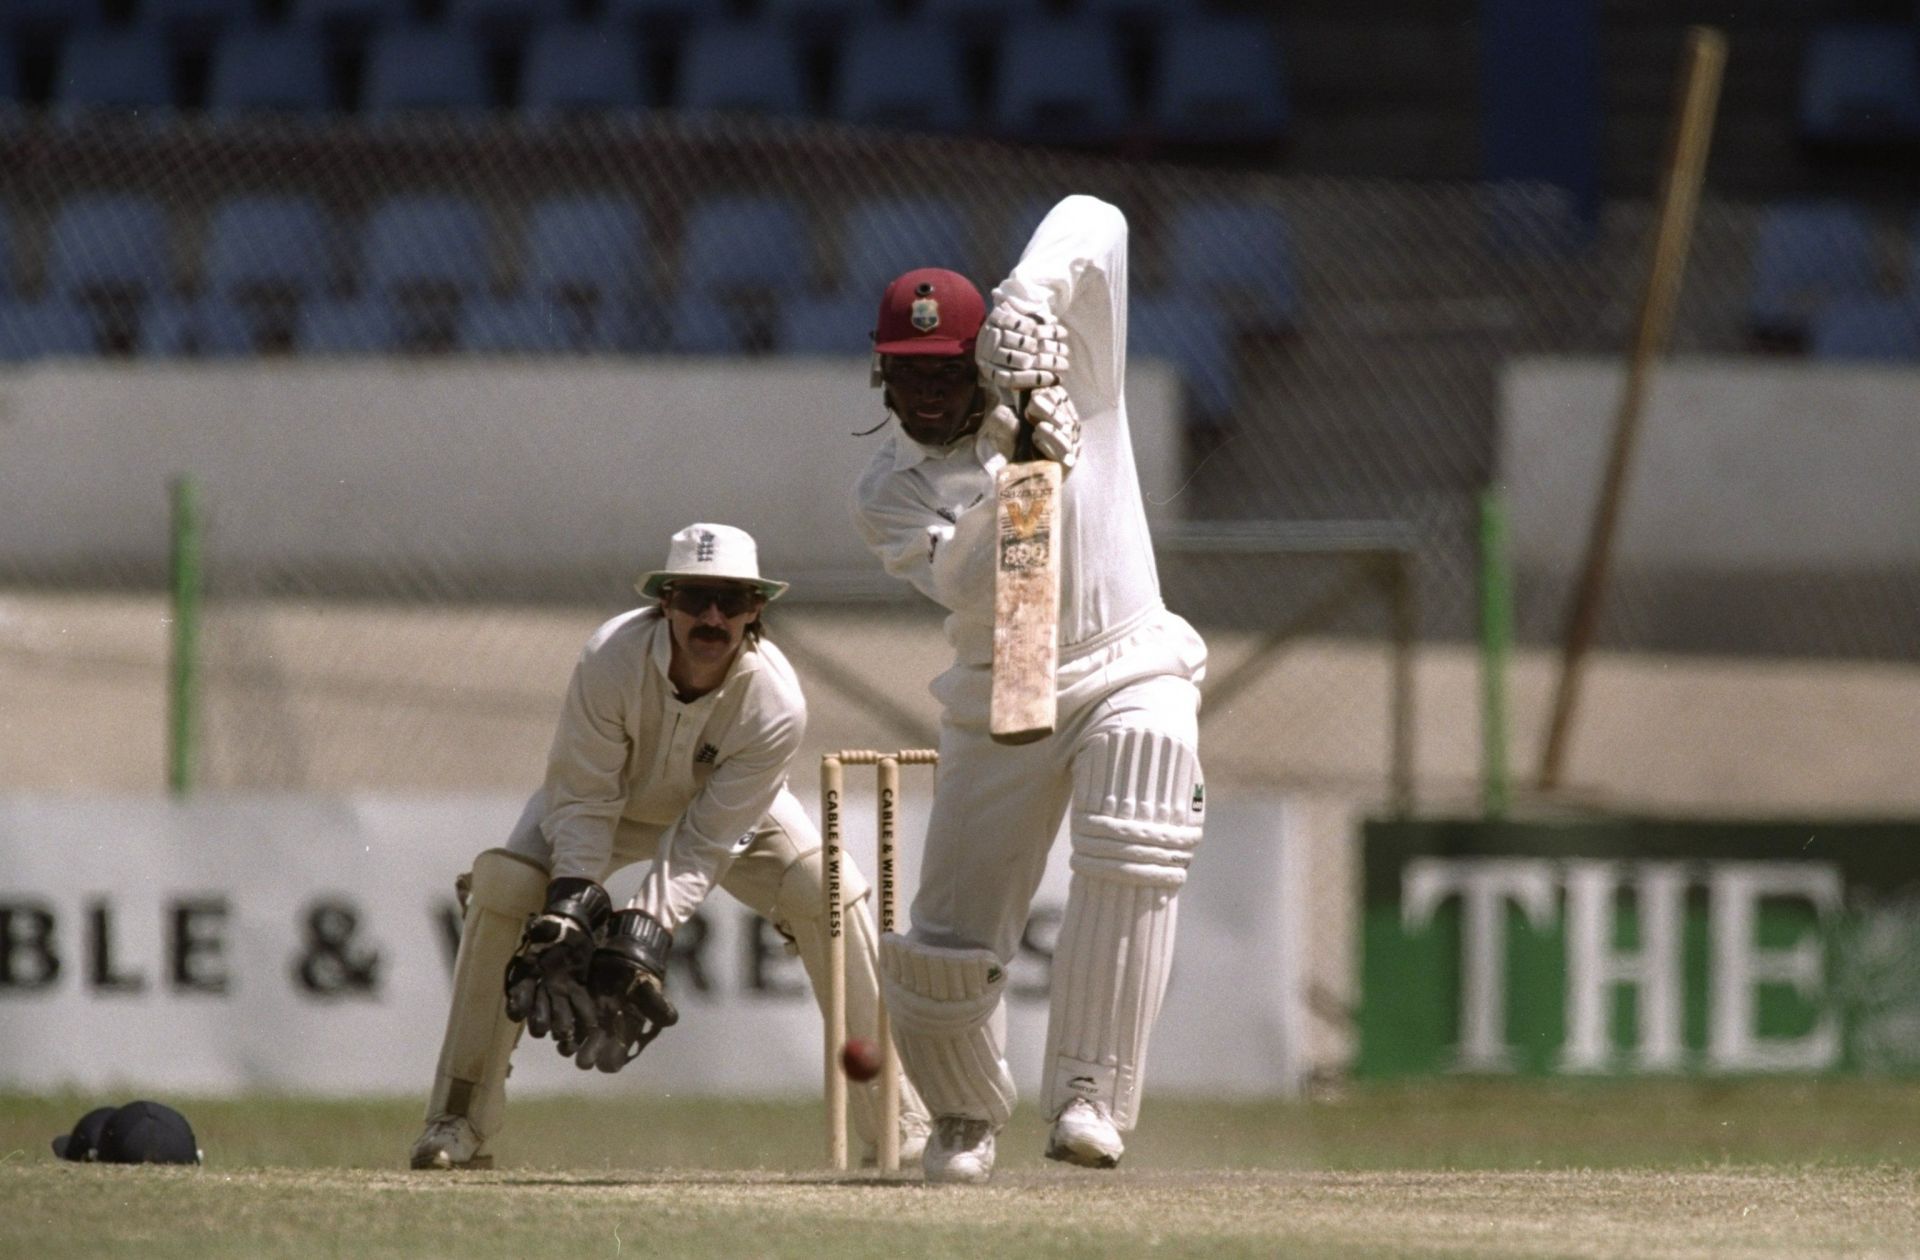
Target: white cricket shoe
<point>1083,1134</point>
<point>960,1151</point>
<point>450,1142</point>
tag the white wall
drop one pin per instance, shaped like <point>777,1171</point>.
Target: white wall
<point>480,467</point>
<point>1742,465</point>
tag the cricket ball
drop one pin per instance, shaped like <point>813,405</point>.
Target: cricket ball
<point>860,1060</point>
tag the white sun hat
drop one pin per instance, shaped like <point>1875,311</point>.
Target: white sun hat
<point>714,553</point>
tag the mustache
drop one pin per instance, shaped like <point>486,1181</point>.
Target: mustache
<point>708,632</point>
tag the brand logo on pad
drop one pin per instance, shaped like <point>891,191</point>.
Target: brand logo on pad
<point>1199,798</point>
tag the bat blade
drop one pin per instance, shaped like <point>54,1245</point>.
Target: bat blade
<point>1026,601</point>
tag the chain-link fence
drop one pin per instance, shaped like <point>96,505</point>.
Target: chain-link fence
<point>1339,343</point>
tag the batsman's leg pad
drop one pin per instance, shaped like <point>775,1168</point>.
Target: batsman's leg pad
<point>800,915</point>
<point>504,890</point>
<point>943,1003</point>
<point>1136,812</point>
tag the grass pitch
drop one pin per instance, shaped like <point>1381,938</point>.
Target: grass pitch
<point>1458,1169</point>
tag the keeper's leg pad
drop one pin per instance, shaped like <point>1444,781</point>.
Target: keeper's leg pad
<point>800,914</point>
<point>943,1003</point>
<point>1136,824</point>
<point>471,1078</point>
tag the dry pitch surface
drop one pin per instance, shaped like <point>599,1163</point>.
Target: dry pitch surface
<point>1459,1170</point>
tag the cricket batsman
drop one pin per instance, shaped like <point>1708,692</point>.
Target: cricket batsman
<point>673,748</point>
<point>1122,761</point>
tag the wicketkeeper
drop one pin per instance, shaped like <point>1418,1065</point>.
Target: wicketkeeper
<point>1122,760</point>
<point>673,748</point>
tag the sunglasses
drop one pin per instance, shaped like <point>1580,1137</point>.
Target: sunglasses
<point>731,600</point>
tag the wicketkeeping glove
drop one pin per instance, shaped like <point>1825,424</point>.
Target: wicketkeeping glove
<point>546,978</point>
<point>1020,349</point>
<point>628,980</point>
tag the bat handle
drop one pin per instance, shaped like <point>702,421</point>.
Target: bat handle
<point>1023,432</point>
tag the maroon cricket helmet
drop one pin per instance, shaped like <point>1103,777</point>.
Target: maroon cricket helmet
<point>929,311</point>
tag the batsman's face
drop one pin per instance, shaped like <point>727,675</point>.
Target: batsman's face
<point>710,619</point>
<point>937,398</point>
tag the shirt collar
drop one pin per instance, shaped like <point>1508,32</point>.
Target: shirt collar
<point>908,453</point>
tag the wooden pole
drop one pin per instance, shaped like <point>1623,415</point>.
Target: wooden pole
<point>1685,171</point>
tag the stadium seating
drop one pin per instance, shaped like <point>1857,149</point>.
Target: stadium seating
<point>881,237</point>
<point>910,75</point>
<point>741,67</point>
<point>434,243</point>
<point>1194,335</point>
<point>53,327</point>
<point>666,18</point>
<point>9,75</point>
<point>748,245</point>
<point>1218,82</point>
<point>979,21</point>
<point>1861,84</point>
<point>204,327</point>
<point>1867,328</point>
<point>586,247</point>
<point>358,326</point>
<point>1237,255</point>
<point>700,324</point>
<point>840,323</point>
<point>504,22</point>
<point>39,26</point>
<point>1144,16</point>
<point>814,19</point>
<point>268,246</point>
<point>191,25</point>
<point>570,68</point>
<point>110,69</point>
<point>268,69</point>
<point>423,68</point>
<point>349,21</point>
<point>111,243</point>
<point>1059,81</point>
<point>527,324</point>
<point>1806,254</point>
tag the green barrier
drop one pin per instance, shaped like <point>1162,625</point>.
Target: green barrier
<point>1632,947</point>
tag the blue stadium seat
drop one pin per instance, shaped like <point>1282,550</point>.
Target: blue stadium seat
<point>814,19</point>
<point>423,68</point>
<point>979,20</point>
<point>108,241</point>
<point>349,21</point>
<point>1867,328</point>
<point>667,18</point>
<point>192,25</point>
<point>910,75</point>
<point>54,327</point>
<point>741,67</point>
<point>570,68</point>
<point>204,327</point>
<point>840,323</point>
<point>699,324</point>
<point>1861,83</point>
<point>1806,254</point>
<point>39,26</point>
<point>748,244</point>
<point>1143,16</point>
<point>591,247</point>
<point>504,23</point>
<point>1218,82</point>
<point>268,244</point>
<point>527,324</point>
<point>426,243</point>
<point>1239,255</point>
<point>360,326</point>
<point>1059,81</point>
<point>260,69</point>
<point>1194,335</point>
<point>881,237</point>
<point>112,69</point>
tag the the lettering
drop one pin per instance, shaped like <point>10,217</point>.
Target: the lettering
<point>196,945</point>
<point>333,964</point>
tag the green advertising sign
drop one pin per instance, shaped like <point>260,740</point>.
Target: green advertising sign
<point>1626,947</point>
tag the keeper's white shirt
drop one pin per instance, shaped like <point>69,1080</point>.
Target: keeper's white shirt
<point>631,760</point>
<point>928,513</point>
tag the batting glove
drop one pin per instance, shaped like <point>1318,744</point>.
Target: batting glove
<point>1018,349</point>
<point>1056,425</point>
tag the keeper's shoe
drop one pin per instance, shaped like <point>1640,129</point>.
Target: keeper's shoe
<point>1083,1134</point>
<point>449,1142</point>
<point>959,1152</point>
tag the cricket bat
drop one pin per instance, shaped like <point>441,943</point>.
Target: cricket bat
<point>1026,595</point>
